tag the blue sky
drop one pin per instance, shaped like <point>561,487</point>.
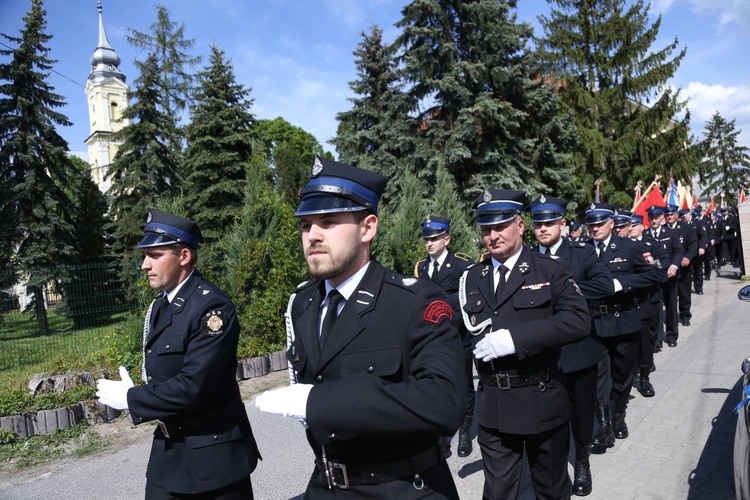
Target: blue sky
<point>297,54</point>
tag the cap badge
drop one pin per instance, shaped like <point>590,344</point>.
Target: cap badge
<point>542,199</point>
<point>149,217</point>
<point>593,206</point>
<point>317,167</point>
<point>487,196</point>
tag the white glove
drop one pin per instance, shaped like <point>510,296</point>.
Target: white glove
<point>288,401</point>
<point>495,345</point>
<point>114,393</point>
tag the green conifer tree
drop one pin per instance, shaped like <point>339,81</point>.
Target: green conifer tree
<point>725,168</point>
<point>599,56</point>
<point>481,114</point>
<point>35,211</point>
<point>145,166</point>
<point>219,148</point>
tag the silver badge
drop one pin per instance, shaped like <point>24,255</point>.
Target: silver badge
<point>149,217</point>
<point>613,246</point>
<point>542,199</point>
<point>409,281</point>
<point>523,267</point>
<point>485,271</point>
<point>487,196</point>
<point>317,167</point>
<point>593,206</point>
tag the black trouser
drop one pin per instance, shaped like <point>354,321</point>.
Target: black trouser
<point>547,453</point>
<point>469,365</point>
<point>708,259</point>
<point>684,291</point>
<point>649,327</point>
<point>669,292</point>
<point>697,264</point>
<point>241,490</point>
<point>620,355</point>
<point>581,385</point>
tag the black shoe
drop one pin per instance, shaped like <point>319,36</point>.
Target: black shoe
<point>604,436</point>
<point>619,427</point>
<point>656,347</point>
<point>646,389</point>
<point>684,323</point>
<point>707,278</point>
<point>582,484</point>
<point>464,443</point>
<point>653,367</point>
<point>699,292</point>
<point>672,343</point>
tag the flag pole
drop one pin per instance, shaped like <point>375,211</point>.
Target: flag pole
<point>648,191</point>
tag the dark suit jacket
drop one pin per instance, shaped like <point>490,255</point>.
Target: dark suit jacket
<point>595,282</point>
<point>688,239</point>
<point>191,363</point>
<point>670,240</point>
<point>543,309</point>
<point>390,378</point>
<point>630,263</point>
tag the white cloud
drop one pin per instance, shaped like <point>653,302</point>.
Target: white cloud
<point>732,102</point>
<point>726,12</point>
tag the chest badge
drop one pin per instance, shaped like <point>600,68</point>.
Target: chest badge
<point>523,267</point>
<point>214,323</point>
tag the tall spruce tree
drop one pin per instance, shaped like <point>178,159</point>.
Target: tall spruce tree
<point>483,116</point>
<point>725,168</point>
<point>145,166</point>
<point>219,148</point>
<point>373,134</point>
<point>35,211</point>
<point>166,44</point>
<point>599,55</point>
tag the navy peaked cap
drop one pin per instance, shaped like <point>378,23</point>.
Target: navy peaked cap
<point>435,226</point>
<point>167,229</point>
<point>547,208</point>
<point>599,212</point>
<point>338,187</point>
<point>495,206</point>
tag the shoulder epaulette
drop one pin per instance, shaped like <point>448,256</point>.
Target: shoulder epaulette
<point>462,256</point>
<point>304,285</point>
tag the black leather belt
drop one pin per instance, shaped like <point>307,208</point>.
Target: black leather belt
<point>508,381</point>
<point>342,476</point>
<point>613,308</point>
<point>188,426</point>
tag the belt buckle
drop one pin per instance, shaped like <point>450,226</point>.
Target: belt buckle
<point>500,377</point>
<point>603,309</point>
<point>163,428</point>
<point>340,480</point>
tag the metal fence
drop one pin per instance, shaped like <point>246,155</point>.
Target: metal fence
<point>83,306</point>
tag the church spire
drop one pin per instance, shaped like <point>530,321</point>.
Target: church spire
<point>105,61</point>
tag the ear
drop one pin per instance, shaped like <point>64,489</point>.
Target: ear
<point>184,256</point>
<point>521,225</point>
<point>369,227</point>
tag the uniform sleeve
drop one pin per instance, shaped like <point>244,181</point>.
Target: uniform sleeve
<point>569,322</point>
<point>646,271</point>
<point>431,397</point>
<point>678,250</point>
<point>598,282</point>
<point>210,360</point>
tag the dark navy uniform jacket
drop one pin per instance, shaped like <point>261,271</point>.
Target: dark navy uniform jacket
<point>543,309</point>
<point>449,274</point>
<point>191,364</point>
<point>688,239</point>
<point>390,377</point>
<point>633,265</point>
<point>595,282</point>
<point>670,240</point>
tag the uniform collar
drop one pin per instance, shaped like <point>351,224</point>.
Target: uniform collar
<point>171,295</point>
<point>350,284</point>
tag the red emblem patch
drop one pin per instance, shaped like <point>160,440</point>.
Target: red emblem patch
<point>437,310</point>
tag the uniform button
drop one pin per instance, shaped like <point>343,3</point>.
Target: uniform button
<point>527,352</point>
<point>370,369</point>
<point>319,378</point>
<point>531,303</point>
<point>148,378</point>
<point>166,346</point>
<point>216,437</point>
<point>494,313</point>
<point>148,352</point>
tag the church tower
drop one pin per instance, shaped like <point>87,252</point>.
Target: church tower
<point>107,98</point>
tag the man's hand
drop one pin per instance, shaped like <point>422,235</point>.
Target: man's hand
<point>685,262</point>
<point>672,271</point>
<point>114,393</point>
<point>495,345</point>
<point>701,251</point>
<point>288,401</point>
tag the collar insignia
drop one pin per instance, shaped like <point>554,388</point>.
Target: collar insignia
<point>523,267</point>
<point>409,281</point>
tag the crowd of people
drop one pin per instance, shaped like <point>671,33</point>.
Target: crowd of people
<point>382,364</point>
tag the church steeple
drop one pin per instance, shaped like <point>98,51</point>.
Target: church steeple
<point>107,97</point>
<point>105,62</point>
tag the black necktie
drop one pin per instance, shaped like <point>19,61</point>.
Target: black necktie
<point>435,269</point>
<point>601,248</point>
<point>334,299</point>
<point>501,270</point>
<point>160,309</point>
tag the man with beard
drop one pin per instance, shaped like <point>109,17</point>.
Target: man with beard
<point>579,360</point>
<point>444,267</point>
<point>375,360</point>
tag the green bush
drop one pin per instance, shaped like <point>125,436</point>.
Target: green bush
<point>19,401</point>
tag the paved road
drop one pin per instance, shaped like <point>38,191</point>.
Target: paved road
<point>680,444</point>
